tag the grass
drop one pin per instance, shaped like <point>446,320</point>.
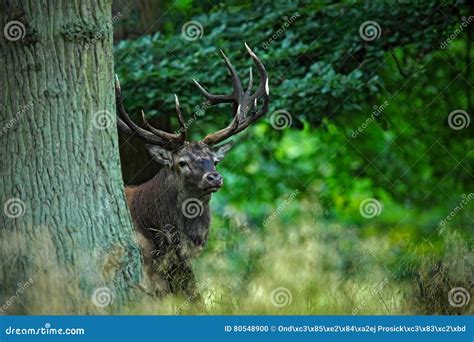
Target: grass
<point>316,267</point>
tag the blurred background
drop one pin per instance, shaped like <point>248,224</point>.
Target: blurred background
<point>355,194</point>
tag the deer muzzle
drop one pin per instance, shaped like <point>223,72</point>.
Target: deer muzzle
<point>212,181</point>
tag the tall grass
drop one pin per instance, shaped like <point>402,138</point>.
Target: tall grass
<point>316,267</point>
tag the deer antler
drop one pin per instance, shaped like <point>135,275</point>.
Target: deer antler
<point>244,111</point>
<point>153,135</point>
<point>245,104</point>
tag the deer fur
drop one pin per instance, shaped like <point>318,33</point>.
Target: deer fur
<point>168,238</point>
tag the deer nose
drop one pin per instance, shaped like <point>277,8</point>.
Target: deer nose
<point>213,178</point>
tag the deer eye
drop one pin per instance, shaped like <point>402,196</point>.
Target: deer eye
<point>182,163</point>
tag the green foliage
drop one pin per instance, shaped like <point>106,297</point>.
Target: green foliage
<point>321,67</point>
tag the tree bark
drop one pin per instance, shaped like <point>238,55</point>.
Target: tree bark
<point>67,243</point>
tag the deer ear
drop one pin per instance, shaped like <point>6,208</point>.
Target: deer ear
<point>159,154</point>
<point>221,150</point>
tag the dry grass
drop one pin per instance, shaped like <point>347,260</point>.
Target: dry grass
<point>319,268</point>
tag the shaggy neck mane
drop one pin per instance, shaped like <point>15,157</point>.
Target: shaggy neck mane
<point>157,203</point>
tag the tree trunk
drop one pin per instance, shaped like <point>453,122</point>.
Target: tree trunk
<point>66,239</point>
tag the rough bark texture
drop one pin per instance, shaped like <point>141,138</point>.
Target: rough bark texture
<point>65,230</point>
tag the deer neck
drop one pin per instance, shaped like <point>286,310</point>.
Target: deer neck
<point>159,209</point>
<point>160,201</point>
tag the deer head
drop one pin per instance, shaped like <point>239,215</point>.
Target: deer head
<point>193,164</point>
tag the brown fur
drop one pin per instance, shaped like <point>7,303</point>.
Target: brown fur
<point>168,238</point>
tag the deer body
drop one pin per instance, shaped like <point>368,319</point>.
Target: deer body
<point>157,204</point>
<point>171,211</point>
<point>168,239</point>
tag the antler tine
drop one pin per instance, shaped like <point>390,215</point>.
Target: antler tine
<point>123,127</point>
<point>118,103</point>
<point>165,135</point>
<point>243,102</point>
<point>126,124</point>
<point>221,135</point>
<point>263,88</point>
<point>237,84</point>
<point>236,126</point>
<point>251,119</point>
<point>262,91</point>
<point>237,93</point>
<point>182,125</point>
<point>213,99</point>
<point>249,88</point>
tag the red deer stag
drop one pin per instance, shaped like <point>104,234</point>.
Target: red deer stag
<point>171,211</point>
